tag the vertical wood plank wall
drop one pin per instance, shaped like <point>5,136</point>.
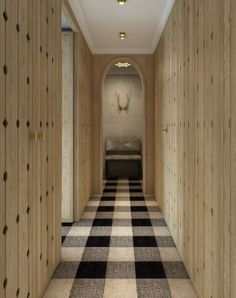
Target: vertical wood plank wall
<point>30,145</point>
<point>82,123</point>
<point>195,150</point>
<point>232,10</point>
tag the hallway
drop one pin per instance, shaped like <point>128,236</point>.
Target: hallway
<point>91,90</point>
<point>120,248</point>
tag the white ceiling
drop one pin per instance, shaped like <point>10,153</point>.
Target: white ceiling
<point>102,20</point>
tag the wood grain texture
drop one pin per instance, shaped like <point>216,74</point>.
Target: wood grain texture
<point>24,165</point>
<point>82,123</point>
<point>197,70</point>
<point>233,149</point>
<point>58,130</point>
<point>30,169</point>
<point>3,152</point>
<point>12,90</point>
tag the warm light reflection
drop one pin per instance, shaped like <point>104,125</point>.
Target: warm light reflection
<point>122,35</point>
<point>123,64</point>
<point>121,2</point>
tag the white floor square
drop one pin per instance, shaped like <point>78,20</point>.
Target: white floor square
<point>72,253</point>
<point>122,231</point>
<point>79,231</point>
<point>121,254</point>
<point>120,288</point>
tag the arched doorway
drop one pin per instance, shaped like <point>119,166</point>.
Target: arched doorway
<point>106,71</point>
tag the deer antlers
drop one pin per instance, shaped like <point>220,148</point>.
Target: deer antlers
<point>120,107</point>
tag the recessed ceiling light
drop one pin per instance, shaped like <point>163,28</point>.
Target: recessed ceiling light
<point>123,64</point>
<point>122,35</point>
<point>121,2</point>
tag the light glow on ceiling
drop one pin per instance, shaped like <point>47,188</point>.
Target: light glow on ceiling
<point>123,64</point>
<point>122,35</point>
<point>121,2</point>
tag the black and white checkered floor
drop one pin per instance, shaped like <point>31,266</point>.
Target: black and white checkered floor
<point>120,248</point>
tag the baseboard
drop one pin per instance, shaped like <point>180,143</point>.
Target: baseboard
<point>149,196</point>
<point>96,196</point>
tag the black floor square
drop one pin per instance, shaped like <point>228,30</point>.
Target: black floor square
<point>109,190</point>
<point>140,198</point>
<point>62,239</point>
<point>91,270</point>
<point>139,209</point>
<point>141,222</point>
<point>144,241</point>
<point>111,183</point>
<point>98,241</point>
<point>112,198</point>
<point>135,184</point>
<point>136,190</point>
<point>102,222</point>
<point>67,224</point>
<point>150,270</point>
<point>105,209</point>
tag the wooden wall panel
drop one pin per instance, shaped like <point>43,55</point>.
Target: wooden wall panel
<point>30,210</point>
<point>82,123</point>
<point>57,129</point>
<point>24,165</point>
<point>49,157</point>
<point>43,139</point>
<point>30,130</point>
<point>3,151</point>
<point>208,107</point>
<point>217,147</point>
<point>12,238</point>
<point>233,149</point>
<point>226,170</point>
<point>200,148</point>
<point>194,66</point>
<point>36,126</point>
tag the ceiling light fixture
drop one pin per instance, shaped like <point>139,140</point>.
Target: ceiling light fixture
<point>121,2</point>
<point>123,64</point>
<point>122,35</point>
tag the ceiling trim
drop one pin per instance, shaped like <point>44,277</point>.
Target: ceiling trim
<point>84,26</point>
<point>122,51</point>
<point>162,24</point>
<point>83,23</point>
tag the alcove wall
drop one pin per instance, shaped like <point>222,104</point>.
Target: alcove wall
<point>122,124</point>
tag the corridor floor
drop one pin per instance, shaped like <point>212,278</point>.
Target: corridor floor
<point>120,248</point>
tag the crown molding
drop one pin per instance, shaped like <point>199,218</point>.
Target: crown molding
<point>122,51</point>
<point>83,23</point>
<point>162,24</point>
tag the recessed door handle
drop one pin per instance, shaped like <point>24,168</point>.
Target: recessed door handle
<point>165,129</point>
<point>34,136</point>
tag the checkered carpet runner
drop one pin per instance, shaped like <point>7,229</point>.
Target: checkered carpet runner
<point>120,248</point>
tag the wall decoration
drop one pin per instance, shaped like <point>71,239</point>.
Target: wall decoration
<point>121,107</point>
